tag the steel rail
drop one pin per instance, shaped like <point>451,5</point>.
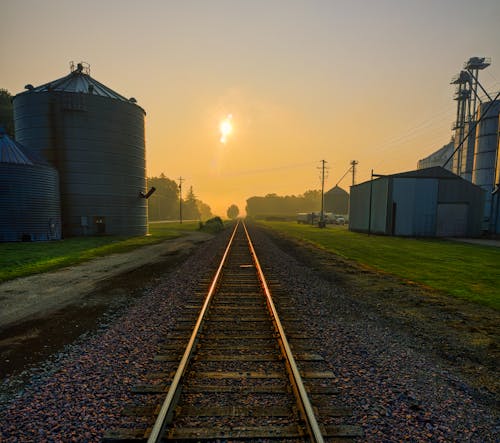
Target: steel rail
<point>303,400</point>
<point>174,390</point>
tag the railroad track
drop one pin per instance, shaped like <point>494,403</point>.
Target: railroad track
<point>237,378</point>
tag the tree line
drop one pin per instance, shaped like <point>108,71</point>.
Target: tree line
<point>273,205</point>
<point>164,202</point>
<point>287,207</point>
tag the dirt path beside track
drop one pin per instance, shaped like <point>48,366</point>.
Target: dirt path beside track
<point>41,313</point>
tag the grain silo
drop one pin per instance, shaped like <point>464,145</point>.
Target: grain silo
<point>29,201</point>
<point>95,138</point>
<point>337,201</point>
<point>485,153</point>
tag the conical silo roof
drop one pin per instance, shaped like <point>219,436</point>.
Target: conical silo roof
<point>13,152</point>
<point>79,80</point>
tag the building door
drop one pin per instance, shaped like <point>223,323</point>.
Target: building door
<point>100,225</point>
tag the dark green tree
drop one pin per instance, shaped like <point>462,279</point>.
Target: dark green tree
<point>233,212</point>
<point>164,203</point>
<point>190,209</point>
<point>204,209</point>
<point>6,112</point>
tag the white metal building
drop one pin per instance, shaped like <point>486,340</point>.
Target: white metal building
<point>430,202</point>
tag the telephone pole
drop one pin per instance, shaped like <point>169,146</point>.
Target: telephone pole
<point>353,165</point>
<point>180,199</point>
<point>322,214</point>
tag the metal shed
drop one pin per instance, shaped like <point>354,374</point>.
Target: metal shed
<point>29,195</point>
<point>431,202</point>
<point>95,138</point>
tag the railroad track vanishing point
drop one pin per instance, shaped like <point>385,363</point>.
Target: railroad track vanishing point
<point>237,378</point>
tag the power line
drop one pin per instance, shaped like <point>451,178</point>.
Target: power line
<point>352,168</point>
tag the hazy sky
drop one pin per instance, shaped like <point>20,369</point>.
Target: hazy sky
<point>303,80</point>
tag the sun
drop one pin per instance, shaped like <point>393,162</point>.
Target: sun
<point>225,128</point>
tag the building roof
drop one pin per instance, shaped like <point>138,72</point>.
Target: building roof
<point>79,80</point>
<point>433,172</point>
<point>337,190</point>
<point>14,153</point>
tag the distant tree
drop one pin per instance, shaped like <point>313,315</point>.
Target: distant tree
<point>312,200</point>
<point>190,209</point>
<point>204,209</point>
<point>164,203</point>
<point>233,212</point>
<point>6,112</point>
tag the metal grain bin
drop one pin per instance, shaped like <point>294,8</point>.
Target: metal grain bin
<point>95,139</point>
<point>29,195</point>
<point>485,154</point>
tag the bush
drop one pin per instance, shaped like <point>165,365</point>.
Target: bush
<point>212,225</point>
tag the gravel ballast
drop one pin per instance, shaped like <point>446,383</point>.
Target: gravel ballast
<point>395,392</point>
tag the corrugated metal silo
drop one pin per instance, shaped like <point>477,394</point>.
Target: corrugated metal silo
<point>485,154</point>
<point>29,201</point>
<point>497,177</point>
<point>95,138</point>
<point>337,201</point>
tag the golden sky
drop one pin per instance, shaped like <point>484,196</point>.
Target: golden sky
<point>302,80</point>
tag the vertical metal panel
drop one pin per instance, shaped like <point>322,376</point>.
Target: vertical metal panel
<point>461,191</point>
<point>415,201</point>
<point>359,207</point>
<point>485,154</point>
<point>452,219</point>
<point>403,194</point>
<point>29,202</point>
<point>98,146</point>
<point>497,174</point>
<point>379,205</point>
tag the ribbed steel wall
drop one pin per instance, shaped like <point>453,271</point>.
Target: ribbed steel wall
<point>497,177</point>
<point>29,203</point>
<point>485,154</point>
<point>98,146</point>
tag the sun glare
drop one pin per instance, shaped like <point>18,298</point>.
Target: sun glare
<point>225,128</point>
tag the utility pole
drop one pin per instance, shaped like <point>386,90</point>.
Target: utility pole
<point>322,214</point>
<point>353,168</point>
<point>353,165</point>
<point>180,199</point>
<point>370,207</point>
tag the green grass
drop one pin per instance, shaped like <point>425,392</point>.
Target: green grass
<point>470,272</point>
<point>21,259</point>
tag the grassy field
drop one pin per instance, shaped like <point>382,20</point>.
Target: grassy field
<point>471,272</point>
<point>21,259</point>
